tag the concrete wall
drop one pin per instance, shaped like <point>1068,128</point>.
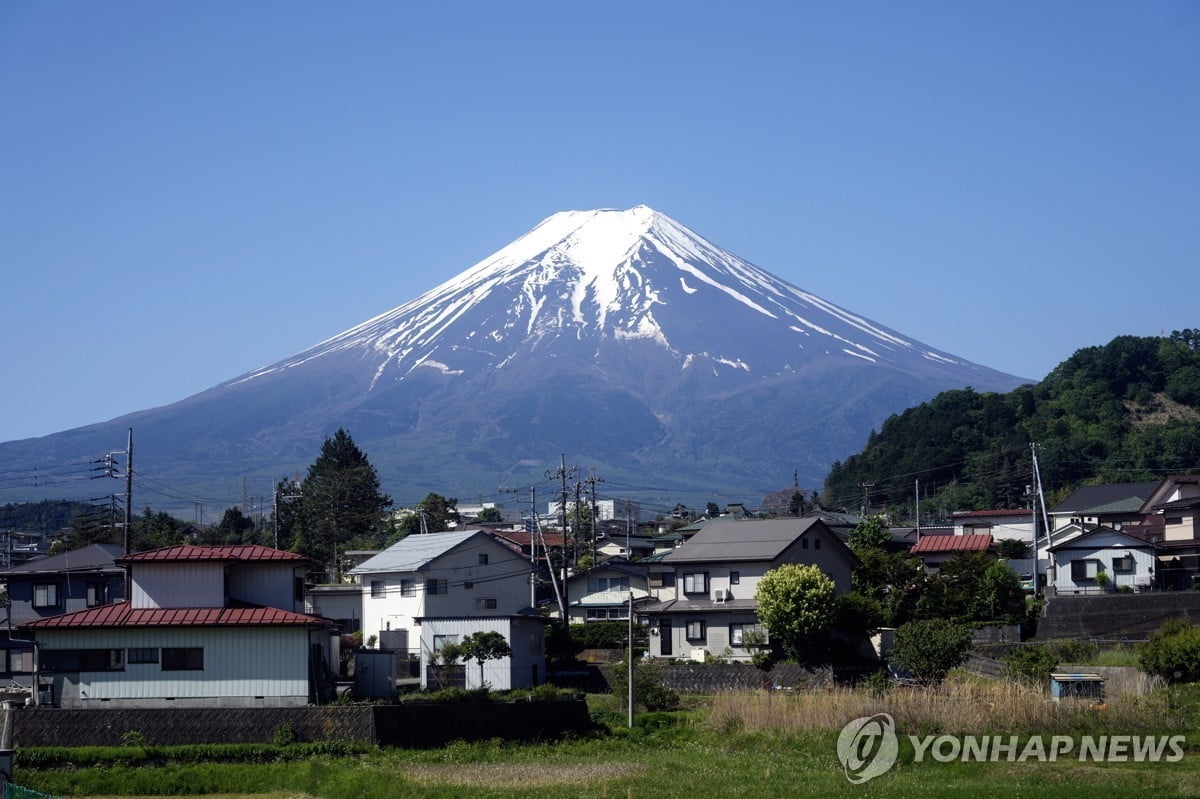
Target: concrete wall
<point>1115,615</point>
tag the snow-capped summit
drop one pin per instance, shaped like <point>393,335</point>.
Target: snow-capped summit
<point>592,280</point>
<point>622,339</point>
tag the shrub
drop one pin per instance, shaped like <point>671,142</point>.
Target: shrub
<point>1030,663</point>
<point>929,649</point>
<point>1172,652</point>
<point>648,690</point>
<point>284,734</point>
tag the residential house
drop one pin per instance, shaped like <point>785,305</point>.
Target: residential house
<point>630,546</point>
<point>716,575</point>
<point>999,524</point>
<point>602,592</point>
<point>70,581</point>
<point>933,550</point>
<point>1112,505</point>
<point>459,574</point>
<point>203,626</point>
<point>1171,520</point>
<point>1080,555</point>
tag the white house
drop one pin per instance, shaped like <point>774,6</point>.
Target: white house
<point>1080,555</point>
<point>439,575</point>
<point>524,668</point>
<point>716,575</point>
<point>204,626</point>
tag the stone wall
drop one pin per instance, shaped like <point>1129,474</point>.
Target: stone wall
<point>414,724</point>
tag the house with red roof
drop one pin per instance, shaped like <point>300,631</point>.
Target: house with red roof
<point>203,626</point>
<point>933,549</point>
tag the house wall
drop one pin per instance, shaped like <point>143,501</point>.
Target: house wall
<point>524,669</point>
<point>72,591</point>
<point>179,585</point>
<point>1103,549</point>
<point>1181,525</point>
<point>267,664</point>
<point>505,578</point>
<point>269,584</point>
<point>1017,526</point>
<point>717,634</point>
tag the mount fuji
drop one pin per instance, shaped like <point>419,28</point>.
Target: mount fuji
<point>620,338</point>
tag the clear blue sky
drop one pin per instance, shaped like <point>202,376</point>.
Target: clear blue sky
<point>192,190</point>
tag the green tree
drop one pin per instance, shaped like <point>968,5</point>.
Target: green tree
<point>433,514</point>
<point>796,603</point>
<point>870,534</point>
<point>155,530</point>
<point>1172,652</point>
<point>489,515</point>
<point>340,500</point>
<point>235,527</point>
<point>929,649</point>
<point>893,579</point>
<point>483,646</point>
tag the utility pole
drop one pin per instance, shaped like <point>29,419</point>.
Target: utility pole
<point>593,479</point>
<point>562,474</point>
<point>128,509</point>
<point>917,494</point>
<point>866,503</point>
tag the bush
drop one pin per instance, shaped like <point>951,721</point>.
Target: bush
<point>1172,652</point>
<point>648,690</point>
<point>929,649</point>
<point>1030,663</point>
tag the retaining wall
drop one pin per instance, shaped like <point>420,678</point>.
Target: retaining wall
<point>1115,615</point>
<point>411,725</point>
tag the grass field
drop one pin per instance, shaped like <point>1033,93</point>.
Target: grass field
<point>753,745</point>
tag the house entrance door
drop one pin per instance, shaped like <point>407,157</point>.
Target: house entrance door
<point>664,637</point>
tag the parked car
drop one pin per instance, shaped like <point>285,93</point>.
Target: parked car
<point>1027,584</point>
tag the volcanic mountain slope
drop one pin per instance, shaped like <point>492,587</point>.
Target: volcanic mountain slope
<point>620,338</point>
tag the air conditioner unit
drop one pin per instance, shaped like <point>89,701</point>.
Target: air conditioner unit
<point>722,594</point>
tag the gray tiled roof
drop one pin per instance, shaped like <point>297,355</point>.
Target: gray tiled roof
<point>722,540</point>
<point>1087,498</point>
<point>93,557</point>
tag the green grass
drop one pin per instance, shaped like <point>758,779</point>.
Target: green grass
<point>684,754</point>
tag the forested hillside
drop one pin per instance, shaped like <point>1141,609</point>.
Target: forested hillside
<point>1123,412</point>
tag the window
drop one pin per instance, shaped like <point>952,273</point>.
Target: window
<point>804,543</point>
<point>435,586</point>
<point>735,578</point>
<point>377,589</point>
<point>297,589</point>
<point>20,661</point>
<point>408,588</point>
<point>695,583</point>
<point>596,584</point>
<point>183,658</point>
<point>143,655</point>
<point>102,660</point>
<point>1123,565</point>
<point>1084,570</point>
<point>738,634</point>
<point>483,559</point>
<point>668,579</point>
<point>440,641</point>
<point>469,585</point>
<point>485,603</point>
<point>95,594</point>
<point>45,595</point>
<point>816,543</point>
<point>696,631</point>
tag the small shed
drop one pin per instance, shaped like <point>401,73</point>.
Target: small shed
<point>1076,685</point>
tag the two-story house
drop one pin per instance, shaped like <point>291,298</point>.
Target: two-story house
<point>716,575</point>
<point>602,592</point>
<point>203,626</point>
<point>70,581</point>
<point>428,590</point>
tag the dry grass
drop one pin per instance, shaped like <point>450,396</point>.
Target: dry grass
<point>961,705</point>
